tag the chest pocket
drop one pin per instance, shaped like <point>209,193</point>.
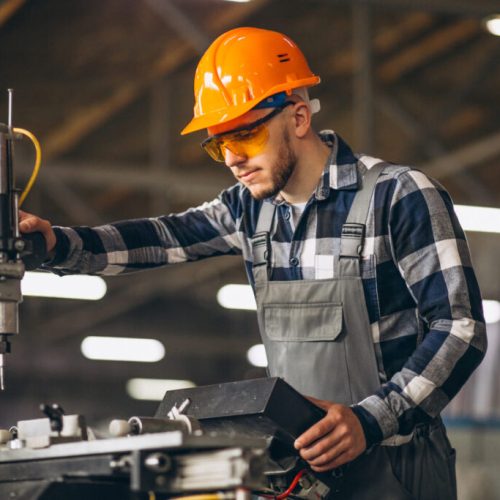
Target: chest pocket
<point>303,322</point>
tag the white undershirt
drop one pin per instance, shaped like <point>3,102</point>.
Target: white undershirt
<point>296,210</point>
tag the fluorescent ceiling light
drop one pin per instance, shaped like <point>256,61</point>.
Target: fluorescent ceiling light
<point>239,1</point>
<point>491,310</point>
<point>492,24</point>
<point>237,297</point>
<point>482,219</point>
<point>256,355</point>
<point>151,389</point>
<point>123,349</point>
<point>83,287</point>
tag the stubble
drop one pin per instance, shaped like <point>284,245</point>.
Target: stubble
<point>281,171</point>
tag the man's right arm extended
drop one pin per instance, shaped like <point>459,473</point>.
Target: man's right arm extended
<point>132,245</point>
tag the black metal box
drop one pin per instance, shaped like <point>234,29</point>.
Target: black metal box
<point>258,407</point>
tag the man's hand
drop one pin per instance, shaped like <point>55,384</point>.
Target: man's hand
<point>335,440</point>
<point>29,223</point>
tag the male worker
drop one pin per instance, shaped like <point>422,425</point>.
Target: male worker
<point>366,297</point>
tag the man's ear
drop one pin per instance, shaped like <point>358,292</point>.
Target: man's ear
<point>302,119</point>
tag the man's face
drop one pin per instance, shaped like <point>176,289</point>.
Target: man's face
<point>268,172</point>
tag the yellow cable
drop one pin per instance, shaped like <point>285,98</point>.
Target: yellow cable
<point>208,496</point>
<point>38,161</point>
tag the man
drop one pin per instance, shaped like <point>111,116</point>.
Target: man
<point>367,301</point>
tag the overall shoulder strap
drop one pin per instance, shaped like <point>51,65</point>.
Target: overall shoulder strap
<point>261,243</point>
<point>353,231</point>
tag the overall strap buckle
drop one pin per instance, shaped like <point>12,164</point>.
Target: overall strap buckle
<point>261,246</point>
<point>351,242</point>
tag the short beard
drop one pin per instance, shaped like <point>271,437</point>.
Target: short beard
<point>283,169</point>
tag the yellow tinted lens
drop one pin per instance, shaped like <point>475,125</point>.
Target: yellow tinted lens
<point>247,143</point>
<point>214,149</point>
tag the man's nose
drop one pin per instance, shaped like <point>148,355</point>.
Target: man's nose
<point>232,159</point>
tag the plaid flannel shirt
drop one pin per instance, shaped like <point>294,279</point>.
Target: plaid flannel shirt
<point>423,300</point>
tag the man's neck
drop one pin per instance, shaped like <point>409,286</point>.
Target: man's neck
<point>311,160</point>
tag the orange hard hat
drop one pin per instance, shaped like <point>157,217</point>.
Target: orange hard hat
<point>240,69</point>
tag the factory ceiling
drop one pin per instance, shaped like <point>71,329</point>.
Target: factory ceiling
<point>107,85</point>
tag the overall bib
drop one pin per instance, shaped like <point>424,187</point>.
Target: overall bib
<point>317,337</point>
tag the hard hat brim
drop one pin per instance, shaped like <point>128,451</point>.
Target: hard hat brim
<point>219,117</point>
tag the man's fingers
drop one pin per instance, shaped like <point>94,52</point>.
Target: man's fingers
<point>320,447</point>
<point>339,438</point>
<point>318,430</point>
<point>329,455</point>
<point>29,223</point>
<point>24,225</point>
<point>26,221</point>
<point>339,460</point>
<point>336,439</point>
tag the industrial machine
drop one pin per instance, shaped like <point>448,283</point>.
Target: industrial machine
<point>16,253</point>
<point>223,441</point>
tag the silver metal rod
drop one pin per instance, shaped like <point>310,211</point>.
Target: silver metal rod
<point>15,201</point>
<point>9,120</point>
<point>2,384</point>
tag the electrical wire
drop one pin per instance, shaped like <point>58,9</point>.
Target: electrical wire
<point>294,483</point>
<point>38,161</point>
<point>289,490</point>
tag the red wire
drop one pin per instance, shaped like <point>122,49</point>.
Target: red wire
<point>287,492</point>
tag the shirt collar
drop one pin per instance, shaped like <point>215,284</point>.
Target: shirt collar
<point>340,173</point>
<point>341,170</point>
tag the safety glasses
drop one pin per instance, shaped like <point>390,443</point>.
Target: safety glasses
<point>247,141</point>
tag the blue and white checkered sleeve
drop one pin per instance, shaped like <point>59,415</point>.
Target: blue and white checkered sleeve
<point>131,245</point>
<point>432,255</point>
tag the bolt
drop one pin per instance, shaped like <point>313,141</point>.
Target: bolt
<point>19,245</point>
<point>158,462</point>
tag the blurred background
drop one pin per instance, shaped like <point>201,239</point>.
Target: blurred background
<point>106,85</point>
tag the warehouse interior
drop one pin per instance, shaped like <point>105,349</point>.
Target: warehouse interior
<point>106,86</point>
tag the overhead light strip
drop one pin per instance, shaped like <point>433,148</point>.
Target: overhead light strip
<point>480,219</point>
<point>83,287</point>
<point>256,355</point>
<point>492,24</point>
<point>123,349</point>
<point>237,297</point>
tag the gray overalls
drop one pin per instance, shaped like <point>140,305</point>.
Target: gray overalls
<point>317,337</point>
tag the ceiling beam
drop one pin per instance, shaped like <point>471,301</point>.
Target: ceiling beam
<point>460,7</point>
<point>434,148</point>
<point>8,8</point>
<point>176,19</point>
<point>343,62</point>
<point>174,55</point>
<point>186,185</point>
<point>467,157</point>
<point>69,201</point>
<point>486,59</point>
<point>420,53</point>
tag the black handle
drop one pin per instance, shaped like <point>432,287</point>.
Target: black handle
<point>35,250</point>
